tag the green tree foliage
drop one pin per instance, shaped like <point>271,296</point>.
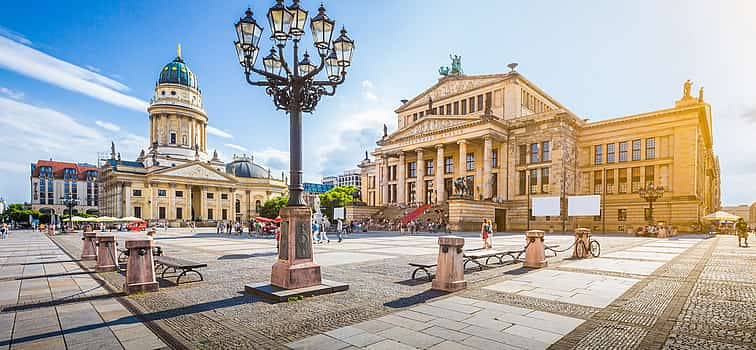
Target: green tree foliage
<point>272,206</point>
<point>17,213</point>
<point>337,197</point>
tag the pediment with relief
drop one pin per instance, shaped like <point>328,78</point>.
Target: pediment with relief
<point>195,172</point>
<point>449,88</point>
<point>429,125</point>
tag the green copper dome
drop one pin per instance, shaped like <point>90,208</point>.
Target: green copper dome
<point>177,72</point>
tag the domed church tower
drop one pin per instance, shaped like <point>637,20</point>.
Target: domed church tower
<point>178,121</point>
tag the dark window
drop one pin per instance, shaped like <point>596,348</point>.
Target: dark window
<point>599,154</point>
<point>224,214</point>
<point>179,194</point>
<point>138,212</point>
<point>480,103</point>
<point>621,214</point>
<point>179,213</point>
<point>173,138</point>
<point>636,180</point>
<point>456,108</point>
<point>224,195</point>
<point>622,179</point>
<point>650,148</point>
<point>610,153</point>
<point>464,107</point>
<point>449,165</point>
<point>161,213</point>
<point>210,195</point>
<point>649,175</point>
<point>623,151</point>
<point>470,162</point>
<point>494,158</point>
<point>237,206</point>
<point>448,108</point>
<point>534,181</point>
<point>258,205</point>
<point>523,153</point>
<point>636,149</point>
<point>534,153</point>
<point>412,169</point>
<point>414,117</point>
<point>429,167</point>
<point>441,110</point>
<point>162,193</point>
<point>609,181</point>
<point>136,193</point>
<point>546,151</point>
<point>209,213</point>
<point>545,180</point>
<point>523,182</point>
<point>411,192</point>
<point>597,181</point>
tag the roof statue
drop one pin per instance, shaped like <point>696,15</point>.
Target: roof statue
<point>456,67</point>
<point>385,131</point>
<point>119,156</point>
<point>366,155</point>
<point>700,95</point>
<point>686,88</point>
<point>112,150</point>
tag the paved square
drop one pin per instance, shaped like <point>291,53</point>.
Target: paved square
<point>634,267</point>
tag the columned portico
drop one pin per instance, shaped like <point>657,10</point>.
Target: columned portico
<point>440,197</point>
<point>487,174</point>
<point>462,170</point>
<point>420,183</point>
<point>401,176</point>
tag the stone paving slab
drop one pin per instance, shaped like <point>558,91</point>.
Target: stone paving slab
<point>655,256</point>
<point>633,267</point>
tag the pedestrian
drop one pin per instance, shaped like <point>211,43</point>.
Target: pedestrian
<point>324,235</point>
<point>339,229</point>
<point>218,227</point>
<point>278,240</point>
<point>228,227</point>
<point>742,229</point>
<point>4,230</point>
<point>485,232</point>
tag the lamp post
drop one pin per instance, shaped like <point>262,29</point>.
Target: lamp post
<point>650,194</point>
<point>69,202</point>
<point>293,86</point>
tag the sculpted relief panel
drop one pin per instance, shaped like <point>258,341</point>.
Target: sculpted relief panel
<point>430,125</point>
<point>196,171</point>
<point>453,87</point>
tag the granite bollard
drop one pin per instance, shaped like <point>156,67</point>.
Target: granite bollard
<point>89,249</point>
<point>295,267</point>
<point>450,271</point>
<point>106,253</point>
<point>535,255</point>
<point>582,235</point>
<point>140,268</point>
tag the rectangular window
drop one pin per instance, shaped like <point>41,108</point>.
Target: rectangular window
<point>597,182</point>
<point>224,195</point>
<point>522,150</point>
<point>545,180</point>
<point>623,151</point>
<point>173,138</point>
<point>649,175</point>
<point>414,117</point>
<point>412,169</point>
<point>136,193</point>
<point>546,151</point>
<point>470,162</point>
<point>224,214</point>
<point>489,99</point>
<point>533,181</point>
<point>179,213</point>
<point>209,213</point>
<point>464,106</point>
<point>448,108</point>
<point>429,167</point>
<point>480,103</point>
<point>650,148</point>
<point>534,153</point>
<point>421,114</point>
<point>161,213</point>
<point>622,178</point>
<point>598,154</point>
<point>179,194</point>
<point>621,214</point>
<point>636,180</point>
<point>441,110</point>
<point>471,102</point>
<point>636,149</point>
<point>495,159</point>
<point>523,182</point>
<point>210,195</point>
<point>433,111</point>
<point>449,165</point>
<point>138,212</point>
<point>610,181</point>
<point>610,153</point>
<point>162,193</point>
<point>411,192</point>
<point>456,108</point>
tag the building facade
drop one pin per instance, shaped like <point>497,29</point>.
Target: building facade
<point>504,140</point>
<point>745,211</point>
<point>175,180</point>
<point>348,178</point>
<point>51,181</point>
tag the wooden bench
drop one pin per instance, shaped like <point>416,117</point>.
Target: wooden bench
<point>422,267</point>
<point>186,266</point>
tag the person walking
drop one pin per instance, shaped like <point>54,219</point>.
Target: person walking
<point>339,229</point>
<point>4,230</point>
<point>742,229</point>
<point>485,232</point>
<point>218,227</point>
<point>315,233</point>
<point>324,235</point>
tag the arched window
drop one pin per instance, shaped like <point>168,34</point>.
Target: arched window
<point>258,205</point>
<point>238,206</point>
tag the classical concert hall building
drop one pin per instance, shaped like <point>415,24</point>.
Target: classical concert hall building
<point>176,180</point>
<point>511,141</point>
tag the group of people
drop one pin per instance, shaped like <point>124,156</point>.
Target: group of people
<point>320,230</point>
<point>228,227</point>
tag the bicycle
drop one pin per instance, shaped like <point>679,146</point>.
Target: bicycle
<point>593,247</point>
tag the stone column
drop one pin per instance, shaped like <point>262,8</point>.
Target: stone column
<point>89,248</point>
<point>462,158</point>
<point>128,211</point>
<point>383,170</point>
<point>119,199</point>
<point>106,253</point>
<point>401,174</point>
<point>218,205</point>
<point>440,173</point>
<point>203,203</point>
<point>171,214</point>
<point>487,150</point>
<point>420,184</point>
<point>502,178</point>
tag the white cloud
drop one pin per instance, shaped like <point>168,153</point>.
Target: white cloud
<point>22,59</point>
<point>368,91</point>
<point>272,158</point>
<point>107,125</point>
<point>14,36</point>
<point>16,95</point>
<point>15,167</point>
<point>367,84</point>
<point>218,132</point>
<point>237,147</point>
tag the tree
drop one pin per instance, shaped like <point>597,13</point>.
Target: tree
<point>336,197</point>
<point>17,213</point>
<point>272,206</point>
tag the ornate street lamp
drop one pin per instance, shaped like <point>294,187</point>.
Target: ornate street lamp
<point>293,86</point>
<point>69,202</point>
<point>650,194</point>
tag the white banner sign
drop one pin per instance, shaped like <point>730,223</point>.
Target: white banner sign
<point>545,206</point>
<point>584,205</point>
<point>338,213</point>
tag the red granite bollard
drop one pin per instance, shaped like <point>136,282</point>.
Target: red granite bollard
<point>106,253</point>
<point>450,271</point>
<point>88,249</point>
<point>140,268</point>
<point>295,267</point>
<point>584,235</point>
<point>535,255</point>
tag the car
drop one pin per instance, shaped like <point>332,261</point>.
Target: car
<point>137,226</point>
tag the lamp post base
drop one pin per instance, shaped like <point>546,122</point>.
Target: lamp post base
<point>295,267</point>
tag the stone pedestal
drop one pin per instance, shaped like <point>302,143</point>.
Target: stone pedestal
<point>450,272</point>
<point>106,253</point>
<point>584,235</point>
<point>535,256</point>
<point>140,268</point>
<point>89,249</point>
<point>295,267</point>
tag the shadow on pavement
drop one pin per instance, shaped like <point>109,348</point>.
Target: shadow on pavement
<point>414,299</point>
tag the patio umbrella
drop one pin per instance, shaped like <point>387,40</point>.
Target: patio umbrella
<point>130,219</point>
<point>77,219</point>
<point>106,219</point>
<point>263,219</point>
<point>721,216</point>
<point>277,220</point>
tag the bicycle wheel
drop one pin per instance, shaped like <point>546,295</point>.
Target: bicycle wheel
<point>595,248</point>
<point>580,249</point>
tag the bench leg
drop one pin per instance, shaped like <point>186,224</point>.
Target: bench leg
<point>178,279</point>
<point>430,278</point>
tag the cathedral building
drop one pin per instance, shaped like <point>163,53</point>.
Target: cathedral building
<point>486,145</point>
<point>176,180</point>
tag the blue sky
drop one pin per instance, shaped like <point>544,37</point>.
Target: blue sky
<point>75,75</point>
